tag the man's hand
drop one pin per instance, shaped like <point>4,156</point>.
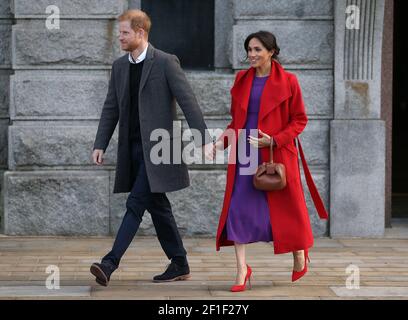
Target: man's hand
<point>209,150</point>
<point>97,156</point>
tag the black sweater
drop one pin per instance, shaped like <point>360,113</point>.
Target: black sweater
<point>135,73</point>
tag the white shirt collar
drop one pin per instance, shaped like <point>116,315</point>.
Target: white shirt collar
<point>140,58</point>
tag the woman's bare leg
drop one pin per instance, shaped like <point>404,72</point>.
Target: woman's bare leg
<point>298,260</point>
<point>241,263</point>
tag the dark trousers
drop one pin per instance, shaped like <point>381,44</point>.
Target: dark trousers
<point>139,200</point>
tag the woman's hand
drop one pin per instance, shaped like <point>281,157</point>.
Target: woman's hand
<point>263,142</point>
<point>219,145</point>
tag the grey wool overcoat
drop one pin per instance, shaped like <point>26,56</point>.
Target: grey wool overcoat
<point>162,83</point>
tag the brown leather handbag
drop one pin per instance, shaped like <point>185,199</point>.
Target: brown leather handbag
<point>270,176</point>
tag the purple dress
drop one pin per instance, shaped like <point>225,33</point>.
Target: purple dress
<point>248,216</point>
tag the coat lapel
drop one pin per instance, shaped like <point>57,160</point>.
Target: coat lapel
<point>241,92</point>
<point>147,66</point>
<point>125,69</point>
<point>276,90</point>
<point>124,97</point>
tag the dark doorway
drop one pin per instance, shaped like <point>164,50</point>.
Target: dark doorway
<point>184,28</point>
<point>400,113</point>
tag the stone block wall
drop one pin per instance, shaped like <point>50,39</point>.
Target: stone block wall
<point>58,90</point>
<point>56,82</point>
<point>305,34</point>
<point>5,72</point>
<point>56,96</point>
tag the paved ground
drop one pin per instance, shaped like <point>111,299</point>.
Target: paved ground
<point>382,263</point>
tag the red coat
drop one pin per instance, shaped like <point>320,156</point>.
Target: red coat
<point>282,115</point>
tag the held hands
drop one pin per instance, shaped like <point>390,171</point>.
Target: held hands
<point>263,142</point>
<point>210,149</point>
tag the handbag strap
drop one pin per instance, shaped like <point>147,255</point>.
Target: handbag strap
<point>271,151</point>
<point>317,200</point>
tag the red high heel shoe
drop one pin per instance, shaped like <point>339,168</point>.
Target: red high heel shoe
<point>296,275</point>
<point>242,287</point>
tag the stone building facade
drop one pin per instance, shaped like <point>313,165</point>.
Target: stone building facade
<point>53,84</point>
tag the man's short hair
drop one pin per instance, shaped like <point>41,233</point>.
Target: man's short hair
<point>137,18</point>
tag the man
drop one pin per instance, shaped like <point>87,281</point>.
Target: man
<point>141,96</point>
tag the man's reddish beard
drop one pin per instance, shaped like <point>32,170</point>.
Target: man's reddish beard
<point>129,47</point>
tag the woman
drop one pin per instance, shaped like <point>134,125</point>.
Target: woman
<point>267,98</point>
